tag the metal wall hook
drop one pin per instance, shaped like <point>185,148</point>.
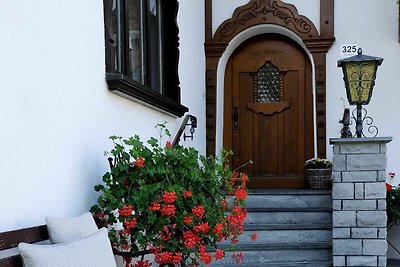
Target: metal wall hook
<point>193,126</point>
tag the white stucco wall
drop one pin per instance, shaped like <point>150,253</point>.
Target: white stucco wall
<point>377,35</point>
<point>56,112</point>
<point>192,65</point>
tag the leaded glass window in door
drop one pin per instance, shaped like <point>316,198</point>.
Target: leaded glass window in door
<point>268,84</point>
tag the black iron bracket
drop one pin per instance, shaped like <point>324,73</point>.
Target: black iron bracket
<point>185,123</point>
<point>360,117</point>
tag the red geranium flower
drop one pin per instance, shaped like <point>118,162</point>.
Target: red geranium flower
<point>388,187</point>
<point>155,250</point>
<point>238,257</point>
<point>169,197</point>
<point>168,144</point>
<point>188,219</point>
<point>139,162</point>
<point>254,236</point>
<point>191,239</point>
<point>168,210</point>
<point>166,234</point>
<point>124,232</point>
<point>125,211</point>
<point>244,179</point>
<point>176,258</point>
<point>201,228</point>
<point>187,194</point>
<point>233,178</point>
<point>198,211</point>
<point>241,193</point>
<point>234,240</point>
<point>163,257</point>
<point>130,224</point>
<point>145,263</point>
<point>205,257</point>
<point>219,254</point>
<point>99,215</point>
<point>219,227</point>
<point>154,206</point>
<point>125,246</point>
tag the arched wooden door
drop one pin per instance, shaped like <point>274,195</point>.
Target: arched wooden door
<point>268,114</point>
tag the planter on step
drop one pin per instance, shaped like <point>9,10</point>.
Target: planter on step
<point>318,178</point>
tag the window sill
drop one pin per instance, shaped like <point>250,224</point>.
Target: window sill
<point>121,84</point>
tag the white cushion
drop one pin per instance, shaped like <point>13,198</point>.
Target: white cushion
<point>65,230</point>
<point>92,251</point>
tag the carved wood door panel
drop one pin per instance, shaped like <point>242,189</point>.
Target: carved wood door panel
<point>268,111</point>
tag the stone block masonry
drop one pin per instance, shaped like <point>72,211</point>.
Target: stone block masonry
<point>359,201</point>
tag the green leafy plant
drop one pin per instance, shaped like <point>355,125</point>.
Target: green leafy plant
<point>171,202</point>
<point>392,201</point>
<point>318,163</point>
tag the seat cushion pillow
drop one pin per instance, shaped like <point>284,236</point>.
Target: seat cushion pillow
<point>65,230</point>
<point>92,251</point>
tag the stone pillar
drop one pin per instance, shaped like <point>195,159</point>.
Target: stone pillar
<point>359,201</point>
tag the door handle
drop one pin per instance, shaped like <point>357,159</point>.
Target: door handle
<point>235,118</point>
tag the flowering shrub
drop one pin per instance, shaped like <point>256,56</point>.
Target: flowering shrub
<point>393,201</point>
<point>170,201</point>
<point>318,163</point>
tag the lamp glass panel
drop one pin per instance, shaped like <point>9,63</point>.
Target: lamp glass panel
<point>360,76</point>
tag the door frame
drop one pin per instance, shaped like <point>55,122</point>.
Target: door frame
<point>265,16</point>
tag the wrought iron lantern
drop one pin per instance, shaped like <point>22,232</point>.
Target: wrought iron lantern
<point>359,73</point>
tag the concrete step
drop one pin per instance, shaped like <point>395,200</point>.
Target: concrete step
<point>264,247</point>
<point>283,200</point>
<point>283,218</point>
<point>294,229</point>
<point>290,191</point>
<point>282,264</point>
<point>293,238</point>
<point>279,257</point>
<point>260,227</point>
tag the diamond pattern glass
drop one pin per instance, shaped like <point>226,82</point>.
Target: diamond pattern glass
<point>267,84</point>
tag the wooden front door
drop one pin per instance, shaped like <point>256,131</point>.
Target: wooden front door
<point>268,114</point>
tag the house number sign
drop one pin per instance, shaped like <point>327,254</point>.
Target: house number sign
<point>348,50</point>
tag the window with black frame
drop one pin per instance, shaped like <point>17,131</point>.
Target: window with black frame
<point>142,52</point>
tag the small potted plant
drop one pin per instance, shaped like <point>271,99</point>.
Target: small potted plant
<point>318,172</point>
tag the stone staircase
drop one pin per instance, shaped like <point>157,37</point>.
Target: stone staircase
<point>294,229</point>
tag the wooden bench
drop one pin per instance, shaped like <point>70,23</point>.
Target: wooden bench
<point>9,241</point>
